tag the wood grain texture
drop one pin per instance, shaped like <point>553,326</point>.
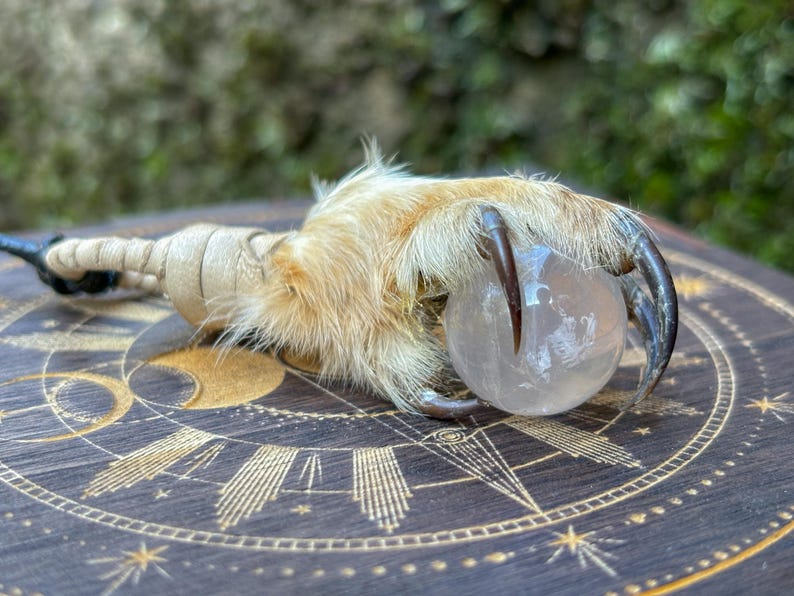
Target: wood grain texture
<point>132,462</point>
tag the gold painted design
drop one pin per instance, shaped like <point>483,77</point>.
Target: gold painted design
<point>634,357</point>
<point>650,405</point>
<point>470,450</point>
<point>301,509</point>
<point>131,565</point>
<point>689,286</point>
<point>573,441</point>
<point>18,311</point>
<point>586,548</point>
<point>482,460</point>
<point>205,458</point>
<point>258,481</point>
<point>379,487</point>
<point>224,380</point>
<point>312,470</point>
<point>776,405</point>
<point>498,557</point>
<point>449,435</point>
<point>122,401</point>
<point>723,563</point>
<point>147,462</point>
<point>71,342</point>
<point>351,415</point>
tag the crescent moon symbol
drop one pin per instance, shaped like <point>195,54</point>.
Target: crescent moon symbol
<point>122,401</point>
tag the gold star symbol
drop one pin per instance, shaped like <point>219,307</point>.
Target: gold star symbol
<point>777,405</point>
<point>302,509</point>
<point>131,565</point>
<point>142,557</point>
<point>570,539</point>
<point>586,548</point>
<point>642,431</point>
<point>692,287</point>
<point>761,404</point>
<point>161,494</point>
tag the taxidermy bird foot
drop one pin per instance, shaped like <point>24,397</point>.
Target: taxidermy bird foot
<point>357,287</point>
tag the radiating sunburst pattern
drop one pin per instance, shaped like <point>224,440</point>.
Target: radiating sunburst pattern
<point>586,547</point>
<point>573,441</point>
<point>776,406</point>
<point>258,481</point>
<point>379,486</point>
<point>312,471</point>
<point>131,565</point>
<point>147,462</point>
<point>475,454</point>
<point>649,405</point>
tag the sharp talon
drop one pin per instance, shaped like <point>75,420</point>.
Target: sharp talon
<point>34,253</point>
<point>435,405</point>
<point>500,252</point>
<point>656,318</point>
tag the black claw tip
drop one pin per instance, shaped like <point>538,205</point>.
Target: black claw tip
<point>34,253</point>
<point>435,405</point>
<point>500,252</point>
<point>656,318</point>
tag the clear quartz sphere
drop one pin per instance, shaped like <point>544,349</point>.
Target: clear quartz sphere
<point>573,334</point>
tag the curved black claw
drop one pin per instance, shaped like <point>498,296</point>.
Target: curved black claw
<point>500,252</point>
<point>438,406</point>
<point>92,282</point>
<point>656,319</point>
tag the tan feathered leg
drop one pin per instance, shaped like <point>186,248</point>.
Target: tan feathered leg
<point>358,286</point>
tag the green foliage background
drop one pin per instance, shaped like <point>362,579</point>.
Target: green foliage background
<point>683,109</point>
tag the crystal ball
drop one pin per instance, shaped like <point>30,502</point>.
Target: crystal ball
<point>573,334</point>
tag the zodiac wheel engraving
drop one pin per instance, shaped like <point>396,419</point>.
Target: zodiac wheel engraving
<point>143,411</point>
<point>208,409</point>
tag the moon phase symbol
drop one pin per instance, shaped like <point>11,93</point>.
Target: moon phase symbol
<point>123,399</point>
<point>223,382</point>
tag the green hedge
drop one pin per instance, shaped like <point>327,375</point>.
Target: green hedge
<point>681,108</point>
<point>697,122</point>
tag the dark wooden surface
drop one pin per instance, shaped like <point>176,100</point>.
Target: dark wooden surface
<point>132,463</point>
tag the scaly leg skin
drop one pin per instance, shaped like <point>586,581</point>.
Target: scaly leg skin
<point>357,287</point>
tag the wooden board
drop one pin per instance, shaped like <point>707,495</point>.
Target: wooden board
<point>132,461</point>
